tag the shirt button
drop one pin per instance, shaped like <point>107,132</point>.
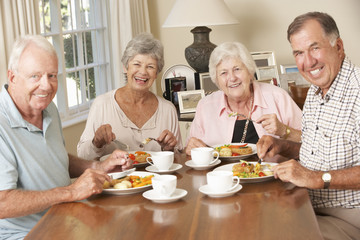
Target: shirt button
<point>317,128</point>
<point>312,153</point>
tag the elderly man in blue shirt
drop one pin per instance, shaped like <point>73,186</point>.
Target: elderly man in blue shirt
<point>35,168</point>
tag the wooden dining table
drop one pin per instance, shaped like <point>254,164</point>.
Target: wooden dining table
<point>263,210</point>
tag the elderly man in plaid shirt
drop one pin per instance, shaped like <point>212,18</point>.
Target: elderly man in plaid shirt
<point>327,161</point>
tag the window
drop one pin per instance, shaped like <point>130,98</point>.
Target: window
<point>78,31</point>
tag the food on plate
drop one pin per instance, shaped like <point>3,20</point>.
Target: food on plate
<point>246,169</point>
<point>229,150</point>
<point>127,182</point>
<point>139,157</point>
<point>225,152</point>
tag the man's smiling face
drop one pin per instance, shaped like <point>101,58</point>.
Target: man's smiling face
<point>317,60</point>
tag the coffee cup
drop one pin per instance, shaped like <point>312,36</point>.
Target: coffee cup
<point>161,160</point>
<point>221,181</point>
<point>204,156</point>
<point>164,185</point>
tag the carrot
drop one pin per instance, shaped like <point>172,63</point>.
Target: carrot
<point>142,184</point>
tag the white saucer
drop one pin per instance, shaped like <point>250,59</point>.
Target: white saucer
<point>153,196</point>
<point>206,190</point>
<point>191,164</point>
<point>173,168</point>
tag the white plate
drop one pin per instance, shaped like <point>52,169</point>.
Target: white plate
<point>206,190</point>
<point>228,167</point>
<point>191,164</point>
<point>153,196</point>
<point>235,158</point>
<point>132,152</point>
<point>173,168</point>
<point>180,70</point>
<point>113,191</point>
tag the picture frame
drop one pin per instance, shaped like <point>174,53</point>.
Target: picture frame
<point>264,59</point>
<point>172,86</point>
<point>288,68</point>
<point>266,70</point>
<point>203,81</point>
<point>188,100</point>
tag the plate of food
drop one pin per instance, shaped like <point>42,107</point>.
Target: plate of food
<point>135,182</point>
<point>235,151</point>
<point>250,172</point>
<point>138,157</point>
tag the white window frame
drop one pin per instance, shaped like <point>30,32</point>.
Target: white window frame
<point>101,57</point>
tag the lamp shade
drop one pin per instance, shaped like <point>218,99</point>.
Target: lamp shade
<point>192,13</point>
<point>199,14</point>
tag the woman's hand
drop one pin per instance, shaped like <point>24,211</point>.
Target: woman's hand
<point>272,125</point>
<point>103,136</point>
<point>167,140</point>
<point>194,143</point>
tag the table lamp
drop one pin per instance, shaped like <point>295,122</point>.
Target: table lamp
<point>199,14</point>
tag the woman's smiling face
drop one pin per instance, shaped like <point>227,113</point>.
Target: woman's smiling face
<point>234,79</point>
<point>141,72</point>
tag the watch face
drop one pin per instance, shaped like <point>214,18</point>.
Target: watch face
<point>326,177</point>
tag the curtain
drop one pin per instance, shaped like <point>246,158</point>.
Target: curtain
<point>127,18</point>
<point>17,18</point>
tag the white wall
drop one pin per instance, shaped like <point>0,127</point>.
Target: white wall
<point>263,26</point>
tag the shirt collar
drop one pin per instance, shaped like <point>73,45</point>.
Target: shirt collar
<point>259,100</point>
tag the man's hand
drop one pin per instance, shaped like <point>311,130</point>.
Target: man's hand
<point>292,171</point>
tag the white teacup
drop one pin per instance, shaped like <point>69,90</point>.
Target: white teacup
<point>221,181</point>
<point>161,160</point>
<point>164,185</point>
<point>204,155</point>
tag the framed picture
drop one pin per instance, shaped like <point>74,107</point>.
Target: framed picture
<point>172,86</point>
<point>203,81</point>
<point>264,59</point>
<point>188,100</point>
<point>287,68</point>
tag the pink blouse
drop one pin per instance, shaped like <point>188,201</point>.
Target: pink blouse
<point>213,125</point>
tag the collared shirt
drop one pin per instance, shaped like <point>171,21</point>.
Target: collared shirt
<point>331,134</point>
<point>30,158</point>
<point>213,125</point>
<point>105,110</point>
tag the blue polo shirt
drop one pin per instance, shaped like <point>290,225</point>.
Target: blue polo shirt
<point>30,159</point>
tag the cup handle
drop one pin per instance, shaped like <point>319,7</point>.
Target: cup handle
<point>236,184</point>
<point>147,159</point>
<point>217,157</point>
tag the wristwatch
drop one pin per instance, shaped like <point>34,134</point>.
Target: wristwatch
<point>326,177</point>
<point>287,132</point>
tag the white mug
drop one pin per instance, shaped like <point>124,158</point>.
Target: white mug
<point>204,155</point>
<point>161,160</point>
<point>221,181</point>
<point>164,185</point>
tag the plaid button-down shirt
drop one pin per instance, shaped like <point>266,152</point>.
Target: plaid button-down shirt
<point>331,134</point>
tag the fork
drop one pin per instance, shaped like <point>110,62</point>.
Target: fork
<point>233,114</point>
<point>260,160</point>
<point>147,140</point>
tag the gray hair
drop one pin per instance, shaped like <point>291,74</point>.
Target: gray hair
<point>326,22</point>
<point>232,50</point>
<point>22,43</point>
<point>146,44</point>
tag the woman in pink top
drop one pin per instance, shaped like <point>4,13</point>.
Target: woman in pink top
<point>270,108</point>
